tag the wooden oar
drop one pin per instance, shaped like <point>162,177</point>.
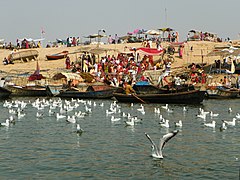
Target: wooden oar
<point>138,98</point>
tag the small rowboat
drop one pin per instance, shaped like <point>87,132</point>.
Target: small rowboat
<point>57,56</point>
<point>27,90</point>
<point>221,92</point>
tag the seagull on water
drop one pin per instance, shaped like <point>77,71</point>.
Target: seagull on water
<point>157,111</point>
<point>71,119</point>
<point>184,109</point>
<point>79,129</point>
<point>178,124</point>
<point>109,112</point>
<point>231,123</point>
<point>113,119</point>
<point>223,126</point>
<point>238,116</point>
<point>170,110</point>
<point>203,116</point>
<point>212,124</point>
<point>130,123</point>
<point>165,107</point>
<point>6,123</point>
<point>213,115</point>
<point>39,115</point>
<point>60,116</point>
<point>165,124</point>
<point>157,150</point>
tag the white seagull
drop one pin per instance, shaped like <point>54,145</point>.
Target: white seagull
<point>6,123</point>
<point>130,123</point>
<point>71,119</point>
<point>223,126</point>
<point>157,150</point>
<point>213,115</point>
<point>184,109</point>
<point>165,124</point>
<point>165,107</point>
<point>238,116</point>
<point>109,112</point>
<point>113,119</point>
<point>178,124</point>
<point>231,123</point>
<point>60,116</point>
<point>79,129</point>
<point>212,125</point>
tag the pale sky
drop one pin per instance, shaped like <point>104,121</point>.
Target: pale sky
<point>63,18</point>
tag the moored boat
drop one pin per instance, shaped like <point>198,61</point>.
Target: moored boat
<point>27,90</point>
<point>57,56</point>
<point>185,97</point>
<point>85,92</point>
<point>221,92</point>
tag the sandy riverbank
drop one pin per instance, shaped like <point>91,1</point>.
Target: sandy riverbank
<point>199,48</point>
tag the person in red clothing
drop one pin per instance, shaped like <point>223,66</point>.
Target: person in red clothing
<point>68,63</point>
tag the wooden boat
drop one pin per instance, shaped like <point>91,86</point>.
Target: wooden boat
<point>89,92</point>
<point>4,93</point>
<point>27,90</point>
<point>144,89</point>
<point>24,55</point>
<point>221,92</point>
<point>57,56</point>
<point>185,97</point>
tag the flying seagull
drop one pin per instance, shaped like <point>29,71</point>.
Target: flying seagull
<point>157,151</point>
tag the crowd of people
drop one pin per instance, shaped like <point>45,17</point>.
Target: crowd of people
<point>126,69</point>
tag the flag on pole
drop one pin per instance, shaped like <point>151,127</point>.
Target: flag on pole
<point>42,31</point>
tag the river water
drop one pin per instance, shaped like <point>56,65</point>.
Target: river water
<point>49,148</point>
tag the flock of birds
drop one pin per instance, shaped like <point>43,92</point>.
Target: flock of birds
<point>68,110</point>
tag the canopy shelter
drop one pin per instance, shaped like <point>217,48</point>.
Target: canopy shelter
<point>153,32</point>
<point>100,50</point>
<point>31,40</point>
<point>217,52</point>
<point>150,51</point>
<point>96,50</point>
<point>137,31</point>
<point>163,31</point>
<point>194,35</point>
<point>68,76</point>
<point>94,36</point>
<point>224,52</point>
<point>166,29</point>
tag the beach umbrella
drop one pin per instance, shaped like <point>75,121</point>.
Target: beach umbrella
<point>193,31</point>
<point>152,32</point>
<point>166,29</point>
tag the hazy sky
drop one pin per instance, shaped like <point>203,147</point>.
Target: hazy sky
<point>62,18</point>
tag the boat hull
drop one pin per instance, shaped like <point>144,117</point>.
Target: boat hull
<point>219,93</point>
<point>27,91</point>
<point>57,56</point>
<point>4,93</point>
<point>92,92</point>
<point>188,97</point>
